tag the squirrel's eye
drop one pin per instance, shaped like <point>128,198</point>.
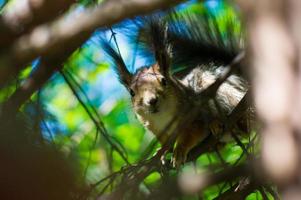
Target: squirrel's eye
<point>163,81</point>
<point>132,92</point>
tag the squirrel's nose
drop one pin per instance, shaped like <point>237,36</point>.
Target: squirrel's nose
<point>153,101</point>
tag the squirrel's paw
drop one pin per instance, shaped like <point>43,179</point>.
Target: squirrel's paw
<point>163,153</point>
<point>179,157</point>
<point>216,128</point>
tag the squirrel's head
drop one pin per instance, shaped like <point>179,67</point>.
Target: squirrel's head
<point>150,91</point>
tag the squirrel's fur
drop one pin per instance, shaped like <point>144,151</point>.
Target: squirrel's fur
<point>158,96</point>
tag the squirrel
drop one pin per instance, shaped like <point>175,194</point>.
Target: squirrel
<point>161,98</point>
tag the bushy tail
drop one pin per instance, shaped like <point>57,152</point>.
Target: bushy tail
<point>195,38</point>
<point>198,39</point>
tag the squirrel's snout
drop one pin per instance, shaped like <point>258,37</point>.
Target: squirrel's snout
<point>151,104</point>
<point>153,101</point>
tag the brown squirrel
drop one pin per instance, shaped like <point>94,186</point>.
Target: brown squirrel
<point>160,97</point>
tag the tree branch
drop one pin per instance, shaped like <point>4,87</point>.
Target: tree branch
<point>48,39</point>
<point>23,16</point>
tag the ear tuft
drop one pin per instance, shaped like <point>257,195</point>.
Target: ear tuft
<point>124,75</point>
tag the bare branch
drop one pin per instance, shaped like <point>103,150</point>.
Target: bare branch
<point>273,61</point>
<point>238,192</point>
<point>26,14</point>
<point>48,39</point>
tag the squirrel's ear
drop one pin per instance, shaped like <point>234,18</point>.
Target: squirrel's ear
<point>163,57</point>
<point>124,75</point>
<point>158,33</point>
<point>156,67</point>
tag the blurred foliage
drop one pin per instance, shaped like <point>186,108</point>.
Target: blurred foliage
<point>3,3</point>
<point>67,119</point>
<point>88,2</point>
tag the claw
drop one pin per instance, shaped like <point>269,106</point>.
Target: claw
<point>162,157</point>
<point>216,128</point>
<point>179,157</point>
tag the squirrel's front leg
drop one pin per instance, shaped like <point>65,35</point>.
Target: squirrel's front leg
<point>185,142</point>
